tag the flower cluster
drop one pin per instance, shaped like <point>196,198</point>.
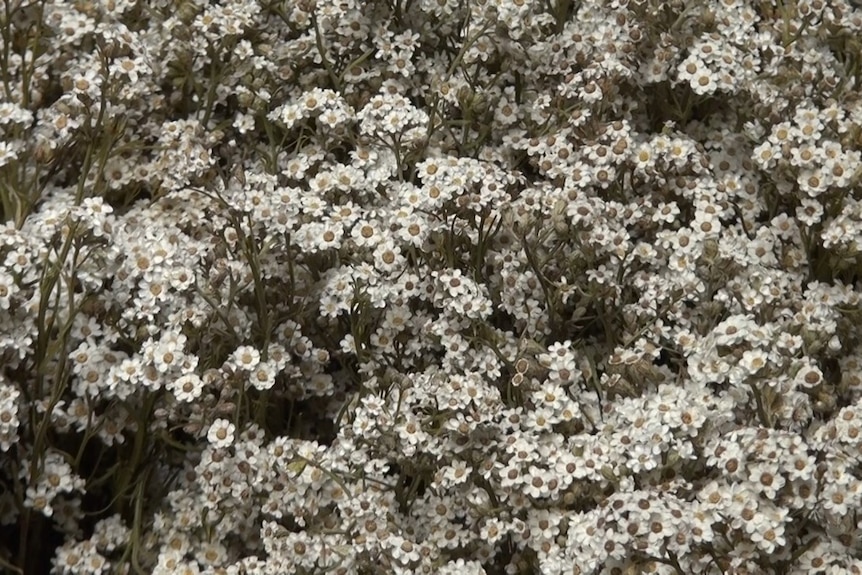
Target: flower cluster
<point>430,287</point>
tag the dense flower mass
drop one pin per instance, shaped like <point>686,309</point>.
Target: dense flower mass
<point>430,286</point>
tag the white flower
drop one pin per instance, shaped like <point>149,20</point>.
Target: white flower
<point>39,498</point>
<point>493,530</point>
<point>754,360</point>
<point>388,257</point>
<point>8,415</point>
<point>403,550</point>
<point>221,433</point>
<point>246,357</point>
<point>243,123</point>
<point>703,82</point>
<point>187,387</point>
<point>455,474</point>
<point>7,289</point>
<point>366,233</point>
<point>263,376</point>
<point>8,152</point>
<point>766,478</point>
<point>166,355</point>
<point>537,482</point>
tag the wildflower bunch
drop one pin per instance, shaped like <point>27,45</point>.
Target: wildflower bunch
<point>430,287</point>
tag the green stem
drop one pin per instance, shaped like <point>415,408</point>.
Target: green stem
<point>466,46</point>
<point>761,410</point>
<point>27,72</point>
<point>130,468</point>
<point>136,524</point>
<point>213,85</point>
<point>318,40</point>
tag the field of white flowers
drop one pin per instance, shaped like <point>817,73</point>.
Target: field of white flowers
<point>430,286</point>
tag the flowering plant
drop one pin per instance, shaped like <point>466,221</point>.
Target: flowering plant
<point>386,286</point>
